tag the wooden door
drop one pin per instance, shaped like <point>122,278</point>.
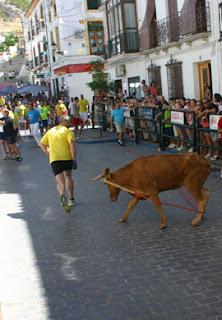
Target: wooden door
<point>204,77</point>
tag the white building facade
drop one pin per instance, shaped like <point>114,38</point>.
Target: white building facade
<point>175,43</point>
<point>63,38</point>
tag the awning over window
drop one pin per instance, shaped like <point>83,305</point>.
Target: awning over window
<point>144,31</point>
<point>188,16</point>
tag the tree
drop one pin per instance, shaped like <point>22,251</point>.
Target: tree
<point>99,83</point>
<point>21,4</point>
<point>10,40</point>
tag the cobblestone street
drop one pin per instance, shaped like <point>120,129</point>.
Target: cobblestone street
<point>85,265</point>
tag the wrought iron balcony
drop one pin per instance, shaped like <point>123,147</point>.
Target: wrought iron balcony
<point>30,65</point>
<point>36,61</point>
<point>38,27</point>
<point>174,28</point>
<point>127,42</point>
<point>41,58</point>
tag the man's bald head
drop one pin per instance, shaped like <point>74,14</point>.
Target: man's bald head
<point>64,120</point>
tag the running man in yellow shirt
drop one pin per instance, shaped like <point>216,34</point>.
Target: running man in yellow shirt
<point>59,144</point>
<point>22,116</point>
<point>83,108</point>
<point>2,101</point>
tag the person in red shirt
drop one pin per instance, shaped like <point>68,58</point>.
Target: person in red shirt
<point>220,131</point>
<point>153,89</point>
<point>220,136</point>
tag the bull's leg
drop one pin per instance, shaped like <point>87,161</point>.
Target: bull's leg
<point>157,205</point>
<point>202,198</point>
<point>202,203</point>
<point>133,202</point>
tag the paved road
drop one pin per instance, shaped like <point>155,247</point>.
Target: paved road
<point>85,266</point>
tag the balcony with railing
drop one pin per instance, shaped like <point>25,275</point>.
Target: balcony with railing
<point>127,42</point>
<point>176,27</point>
<point>41,58</point>
<point>30,65</point>
<point>29,36</point>
<point>38,28</point>
<point>36,61</point>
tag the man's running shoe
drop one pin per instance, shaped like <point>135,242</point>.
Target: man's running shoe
<point>18,158</point>
<point>65,204</point>
<point>72,202</point>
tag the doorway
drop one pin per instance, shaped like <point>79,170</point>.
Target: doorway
<point>118,87</point>
<point>205,80</point>
<point>134,87</point>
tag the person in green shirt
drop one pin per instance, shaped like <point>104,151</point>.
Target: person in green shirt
<point>167,127</point>
<point>44,116</point>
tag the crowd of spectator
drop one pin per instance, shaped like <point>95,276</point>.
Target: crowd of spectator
<point>154,110</point>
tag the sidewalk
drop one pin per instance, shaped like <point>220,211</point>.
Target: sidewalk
<point>92,136</point>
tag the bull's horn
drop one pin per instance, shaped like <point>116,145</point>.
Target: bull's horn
<point>102,175</point>
<point>107,173</point>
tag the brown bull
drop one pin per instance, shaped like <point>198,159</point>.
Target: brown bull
<point>148,176</point>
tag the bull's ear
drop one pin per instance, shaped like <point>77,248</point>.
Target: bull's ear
<point>107,173</point>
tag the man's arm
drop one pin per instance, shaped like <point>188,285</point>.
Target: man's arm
<point>44,148</point>
<point>73,153</point>
<point>73,150</point>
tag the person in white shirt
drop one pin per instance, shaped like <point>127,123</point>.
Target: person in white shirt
<point>71,107</point>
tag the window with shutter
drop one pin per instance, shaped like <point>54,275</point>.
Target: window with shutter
<point>175,80</point>
<point>96,37</point>
<point>93,4</point>
<point>220,20</point>
<point>122,27</point>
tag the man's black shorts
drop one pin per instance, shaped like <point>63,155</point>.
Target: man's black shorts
<point>44,123</point>
<point>11,139</point>
<point>60,166</point>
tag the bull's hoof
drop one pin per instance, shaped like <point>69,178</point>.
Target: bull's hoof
<point>163,225</point>
<point>196,221</point>
<point>122,220</point>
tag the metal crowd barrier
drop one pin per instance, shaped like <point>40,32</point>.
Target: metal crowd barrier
<point>101,117</point>
<point>213,121</point>
<point>144,121</point>
<point>179,120</point>
<point>195,141</point>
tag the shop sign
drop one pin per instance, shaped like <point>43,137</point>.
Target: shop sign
<point>74,68</point>
<point>177,117</point>
<point>214,119</point>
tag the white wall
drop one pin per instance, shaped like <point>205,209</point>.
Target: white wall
<point>133,69</point>
<point>76,83</point>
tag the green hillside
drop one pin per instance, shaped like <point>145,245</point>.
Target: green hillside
<point>21,4</point>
